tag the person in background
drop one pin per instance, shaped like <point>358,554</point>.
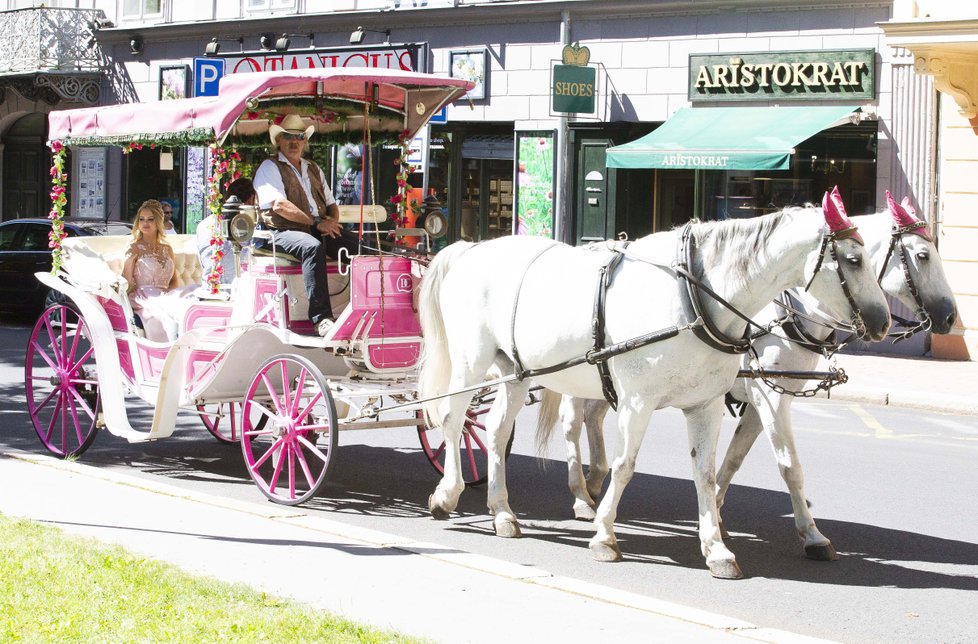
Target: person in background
<point>168,227</point>
<point>149,268</point>
<point>297,205</point>
<point>244,190</point>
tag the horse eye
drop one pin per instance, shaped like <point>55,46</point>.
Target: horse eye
<point>854,259</point>
<point>923,255</point>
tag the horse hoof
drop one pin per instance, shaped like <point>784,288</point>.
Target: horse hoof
<point>584,512</point>
<point>725,569</point>
<point>437,512</point>
<point>823,552</point>
<point>605,553</point>
<point>507,529</point>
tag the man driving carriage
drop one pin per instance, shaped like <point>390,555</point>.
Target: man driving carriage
<point>298,206</point>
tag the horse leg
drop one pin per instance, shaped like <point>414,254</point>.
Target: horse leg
<point>571,420</point>
<point>703,428</point>
<point>775,414</point>
<point>748,429</point>
<point>444,499</point>
<point>594,414</point>
<point>499,426</point>
<point>632,423</point>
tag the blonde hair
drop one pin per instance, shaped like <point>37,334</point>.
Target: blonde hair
<point>156,209</point>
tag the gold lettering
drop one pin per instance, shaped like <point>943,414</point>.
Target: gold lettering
<point>854,67</point>
<point>797,77</point>
<point>747,77</point>
<point>703,78</point>
<point>765,70</point>
<point>820,74</point>
<point>720,74</point>
<point>781,74</point>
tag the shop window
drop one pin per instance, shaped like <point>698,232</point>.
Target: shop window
<point>843,156</point>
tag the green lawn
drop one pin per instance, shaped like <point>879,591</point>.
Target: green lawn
<point>59,587</point>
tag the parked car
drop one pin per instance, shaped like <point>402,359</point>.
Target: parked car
<point>24,251</point>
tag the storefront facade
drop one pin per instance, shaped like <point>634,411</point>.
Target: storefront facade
<point>510,159</point>
<point>942,40</point>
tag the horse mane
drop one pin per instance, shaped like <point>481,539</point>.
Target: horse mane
<point>739,244</point>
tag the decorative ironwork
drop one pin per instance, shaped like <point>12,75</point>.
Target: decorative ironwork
<point>54,55</point>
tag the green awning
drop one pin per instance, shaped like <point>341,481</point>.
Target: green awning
<point>727,138</point>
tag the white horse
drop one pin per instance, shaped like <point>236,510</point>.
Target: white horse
<point>524,305</point>
<point>909,269</point>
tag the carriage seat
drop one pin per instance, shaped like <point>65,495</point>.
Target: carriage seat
<point>100,259</point>
<point>265,256</point>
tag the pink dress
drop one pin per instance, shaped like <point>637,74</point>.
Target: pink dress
<point>159,309</point>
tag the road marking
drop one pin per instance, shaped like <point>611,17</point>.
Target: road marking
<point>878,430</point>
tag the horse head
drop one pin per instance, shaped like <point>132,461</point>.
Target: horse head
<point>913,271</point>
<point>842,275</point>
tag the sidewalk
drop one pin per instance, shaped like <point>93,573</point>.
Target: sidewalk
<point>385,581</point>
<point>923,383</point>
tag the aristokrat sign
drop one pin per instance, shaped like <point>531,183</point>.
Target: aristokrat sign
<point>787,75</point>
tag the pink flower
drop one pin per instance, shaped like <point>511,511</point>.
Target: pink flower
<point>57,146</point>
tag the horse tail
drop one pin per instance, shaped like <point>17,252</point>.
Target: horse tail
<point>436,362</point>
<point>547,415</point>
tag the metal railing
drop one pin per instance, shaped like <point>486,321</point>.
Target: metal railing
<point>48,40</point>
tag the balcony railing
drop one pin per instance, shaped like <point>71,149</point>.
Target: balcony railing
<point>48,40</point>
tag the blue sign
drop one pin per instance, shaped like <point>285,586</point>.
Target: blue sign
<point>207,75</point>
<point>441,116</point>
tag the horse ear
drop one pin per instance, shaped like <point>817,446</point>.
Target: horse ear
<point>904,216</point>
<point>834,212</point>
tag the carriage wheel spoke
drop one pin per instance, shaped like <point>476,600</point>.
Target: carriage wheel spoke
<point>75,421</point>
<point>54,419</point>
<point>286,389</point>
<point>275,446</point>
<point>84,405</point>
<point>299,385</point>
<point>273,393</point>
<point>471,456</point>
<point>308,408</point>
<point>44,356</point>
<point>313,449</point>
<point>47,398</point>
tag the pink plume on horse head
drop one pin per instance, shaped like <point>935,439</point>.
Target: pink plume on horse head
<point>904,216</point>
<point>834,212</point>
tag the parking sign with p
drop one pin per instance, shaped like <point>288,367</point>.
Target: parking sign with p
<point>207,75</point>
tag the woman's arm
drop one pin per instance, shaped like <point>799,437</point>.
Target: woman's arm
<point>128,267</point>
<point>174,280</point>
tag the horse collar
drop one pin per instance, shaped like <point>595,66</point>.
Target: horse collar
<point>693,308</point>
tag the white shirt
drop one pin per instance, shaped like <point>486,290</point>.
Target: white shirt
<point>268,184</point>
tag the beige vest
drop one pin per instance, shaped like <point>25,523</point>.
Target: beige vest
<point>295,194</point>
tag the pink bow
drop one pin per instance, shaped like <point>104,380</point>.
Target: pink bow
<point>904,216</point>
<point>834,212</point>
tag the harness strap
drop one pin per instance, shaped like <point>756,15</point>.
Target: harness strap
<point>707,332</point>
<point>598,325</point>
<point>799,335</point>
<point>517,362</point>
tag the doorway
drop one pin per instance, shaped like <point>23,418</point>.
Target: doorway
<point>26,168</point>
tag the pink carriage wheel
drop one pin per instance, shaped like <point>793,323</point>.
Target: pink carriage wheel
<point>289,457</point>
<point>61,382</point>
<point>221,420</point>
<point>475,455</point>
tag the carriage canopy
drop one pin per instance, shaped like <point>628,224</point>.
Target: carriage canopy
<point>335,101</point>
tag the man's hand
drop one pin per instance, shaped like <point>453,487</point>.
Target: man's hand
<point>329,227</point>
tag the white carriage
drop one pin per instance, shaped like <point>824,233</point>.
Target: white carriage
<point>246,358</point>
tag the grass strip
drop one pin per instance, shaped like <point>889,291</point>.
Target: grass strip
<point>60,587</point>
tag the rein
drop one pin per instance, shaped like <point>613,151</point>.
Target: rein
<point>924,321</point>
<point>829,240</point>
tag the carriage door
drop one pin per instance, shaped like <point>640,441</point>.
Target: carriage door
<point>591,199</point>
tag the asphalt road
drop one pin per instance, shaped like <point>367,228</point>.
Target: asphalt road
<point>893,488</point>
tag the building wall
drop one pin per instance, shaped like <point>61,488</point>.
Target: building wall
<point>958,232</point>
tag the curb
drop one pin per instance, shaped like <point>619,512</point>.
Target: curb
<point>924,401</point>
<point>481,563</point>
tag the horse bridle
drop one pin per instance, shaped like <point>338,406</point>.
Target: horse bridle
<point>924,320</point>
<point>829,240</point>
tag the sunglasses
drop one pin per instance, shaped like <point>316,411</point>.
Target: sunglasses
<point>289,136</point>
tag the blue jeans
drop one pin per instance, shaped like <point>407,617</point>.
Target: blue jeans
<point>312,251</point>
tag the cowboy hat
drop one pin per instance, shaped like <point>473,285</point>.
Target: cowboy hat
<point>292,123</point>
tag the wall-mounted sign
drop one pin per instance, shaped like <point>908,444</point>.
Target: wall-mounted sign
<point>785,75</point>
<point>574,85</point>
